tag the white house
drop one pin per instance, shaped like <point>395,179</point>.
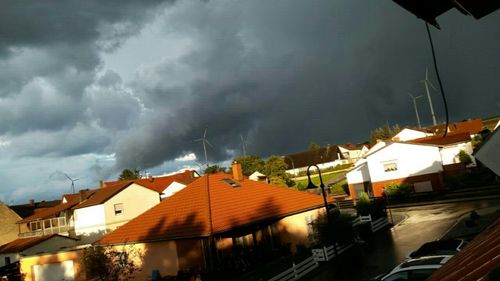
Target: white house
<point>410,134</point>
<point>388,162</point>
<point>110,207</point>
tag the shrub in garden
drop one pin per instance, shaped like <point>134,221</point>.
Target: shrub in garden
<point>340,228</point>
<point>398,190</point>
<point>363,204</point>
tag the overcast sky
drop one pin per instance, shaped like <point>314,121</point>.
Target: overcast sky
<point>88,88</point>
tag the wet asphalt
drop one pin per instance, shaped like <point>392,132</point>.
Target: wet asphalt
<point>414,226</point>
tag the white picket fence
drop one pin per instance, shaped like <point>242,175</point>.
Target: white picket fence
<point>328,253</point>
<point>297,270</point>
<point>375,225</point>
<point>325,254</point>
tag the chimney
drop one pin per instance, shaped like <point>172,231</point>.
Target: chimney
<point>237,171</point>
<point>31,202</point>
<point>81,195</point>
<point>102,184</point>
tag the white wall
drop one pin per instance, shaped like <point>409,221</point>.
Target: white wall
<point>89,220</point>
<point>409,134</point>
<point>136,200</point>
<point>449,153</point>
<point>411,160</point>
<point>172,189</point>
<point>55,243</point>
<point>13,258</point>
<point>359,174</point>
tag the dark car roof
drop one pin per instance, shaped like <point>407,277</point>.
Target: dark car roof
<point>438,247</point>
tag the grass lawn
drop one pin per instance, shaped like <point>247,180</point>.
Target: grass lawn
<point>315,179</point>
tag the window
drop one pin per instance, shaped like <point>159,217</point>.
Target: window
<point>7,260</point>
<point>390,166</point>
<point>398,276</point>
<point>118,209</point>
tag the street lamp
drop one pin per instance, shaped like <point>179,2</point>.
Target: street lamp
<point>311,185</point>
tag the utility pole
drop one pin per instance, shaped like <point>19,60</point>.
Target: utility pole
<point>416,110</point>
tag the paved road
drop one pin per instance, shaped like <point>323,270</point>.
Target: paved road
<point>389,247</point>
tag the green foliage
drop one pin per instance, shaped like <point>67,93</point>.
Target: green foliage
<point>128,174</point>
<point>477,176</point>
<point>314,146</point>
<point>383,133</point>
<point>464,157</point>
<point>107,264</point>
<point>250,164</point>
<point>340,228</point>
<point>275,169</point>
<point>398,190</point>
<point>330,169</point>
<point>214,169</point>
<point>363,204</point>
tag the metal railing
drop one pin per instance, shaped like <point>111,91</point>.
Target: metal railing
<point>47,227</point>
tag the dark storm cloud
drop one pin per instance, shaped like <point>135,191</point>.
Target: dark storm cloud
<point>50,54</point>
<point>288,73</point>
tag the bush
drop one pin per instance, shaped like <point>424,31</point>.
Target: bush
<point>363,204</point>
<point>398,190</point>
<point>340,229</point>
<point>464,157</point>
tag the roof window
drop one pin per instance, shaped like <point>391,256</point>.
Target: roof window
<point>231,182</point>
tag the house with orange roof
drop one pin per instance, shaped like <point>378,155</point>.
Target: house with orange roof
<point>14,250</point>
<point>395,162</point>
<point>104,209</point>
<point>206,222</point>
<point>165,185</point>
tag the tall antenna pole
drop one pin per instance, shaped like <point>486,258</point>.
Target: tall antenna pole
<point>243,145</point>
<point>416,110</point>
<point>426,83</point>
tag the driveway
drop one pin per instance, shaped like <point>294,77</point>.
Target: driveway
<point>389,247</point>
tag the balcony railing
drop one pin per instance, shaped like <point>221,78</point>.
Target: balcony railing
<point>46,227</point>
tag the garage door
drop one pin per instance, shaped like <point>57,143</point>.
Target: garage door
<point>424,186</point>
<point>54,271</point>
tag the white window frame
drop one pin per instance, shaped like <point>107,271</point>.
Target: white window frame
<point>119,209</point>
<point>387,166</point>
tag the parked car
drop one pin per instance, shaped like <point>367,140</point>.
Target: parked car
<point>439,247</point>
<point>417,269</point>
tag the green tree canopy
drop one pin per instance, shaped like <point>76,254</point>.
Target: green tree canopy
<point>214,169</point>
<point>275,169</point>
<point>128,174</point>
<point>384,133</point>
<point>250,164</point>
<point>464,157</point>
<point>314,146</point>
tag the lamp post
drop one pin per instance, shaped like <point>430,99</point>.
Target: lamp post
<point>311,185</point>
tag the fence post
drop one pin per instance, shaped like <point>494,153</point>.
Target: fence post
<point>294,271</point>
<point>326,252</point>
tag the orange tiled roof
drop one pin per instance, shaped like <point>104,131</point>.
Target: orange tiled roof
<point>53,211</point>
<point>158,184</point>
<point>473,126</point>
<point>451,138</point>
<point>21,244</point>
<point>101,195</point>
<point>480,257</point>
<point>197,211</point>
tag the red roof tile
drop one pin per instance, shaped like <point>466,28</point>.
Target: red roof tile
<point>21,244</point>
<point>53,211</point>
<point>101,195</point>
<point>197,211</point>
<point>480,257</point>
<point>473,126</point>
<point>158,184</point>
<point>451,138</point>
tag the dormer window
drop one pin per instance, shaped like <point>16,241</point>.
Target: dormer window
<point>118,209</point>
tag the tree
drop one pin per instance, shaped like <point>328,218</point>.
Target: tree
<point>275,169</point>
<point>464,157</point>
<point>128,174</point>
<point>108,264</point>
<point>314,146</point>
<point>250,164</point>
<point>384,133</point>
<point>214,169</point>
<point>339,230</point>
